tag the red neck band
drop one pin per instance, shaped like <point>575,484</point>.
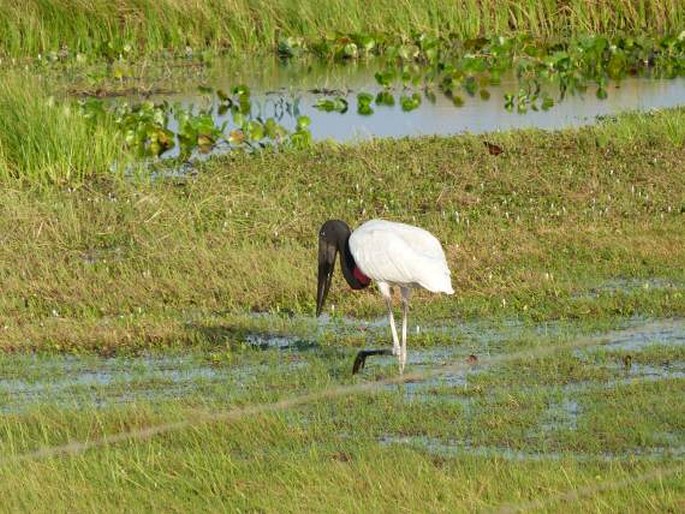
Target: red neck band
<point>361,278</point>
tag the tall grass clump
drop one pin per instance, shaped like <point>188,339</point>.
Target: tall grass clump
<point>106,28</point>
<point>48,141</point>
<point>650,127</point>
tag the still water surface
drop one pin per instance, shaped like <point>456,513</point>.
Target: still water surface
<point>287,90</point>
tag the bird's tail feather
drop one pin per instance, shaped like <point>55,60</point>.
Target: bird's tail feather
<point>438,283</point>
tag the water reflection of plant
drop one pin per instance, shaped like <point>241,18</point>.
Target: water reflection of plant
<point>460,68</point>
<point>146,126</point>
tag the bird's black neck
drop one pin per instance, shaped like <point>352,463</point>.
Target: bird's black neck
<point>353,275</point>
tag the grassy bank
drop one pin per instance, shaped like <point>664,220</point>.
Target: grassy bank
<point>130,27</point>
<point>574,224</point>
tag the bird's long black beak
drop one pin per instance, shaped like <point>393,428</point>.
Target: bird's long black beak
<point>327,254</point>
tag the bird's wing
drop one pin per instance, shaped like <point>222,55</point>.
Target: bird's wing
<point>400,254</point>
<point>418,239</point>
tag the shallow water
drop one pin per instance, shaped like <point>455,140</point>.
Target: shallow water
<point>66,381</point>
<point>453,448</point>
<point>285,91</point>
<point>562,415</point>
<point>27,380</point>
<point>666,332</point>
<point>629,286</point>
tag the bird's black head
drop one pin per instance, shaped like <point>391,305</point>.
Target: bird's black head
<point>333,236</point>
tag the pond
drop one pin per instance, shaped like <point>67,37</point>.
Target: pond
<point>441,117</point>
<point>287,90</point>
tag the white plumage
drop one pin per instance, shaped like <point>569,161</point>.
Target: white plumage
<point>401,255</point>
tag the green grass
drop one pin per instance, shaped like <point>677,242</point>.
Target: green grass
<point>46,141</point>
<point>543,231</point>
<point>131,27</point>
<point>487,441</point>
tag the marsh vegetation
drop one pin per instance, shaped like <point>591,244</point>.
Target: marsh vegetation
<point>158,348</point>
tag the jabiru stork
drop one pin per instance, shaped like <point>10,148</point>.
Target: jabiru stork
<point>392,254</point>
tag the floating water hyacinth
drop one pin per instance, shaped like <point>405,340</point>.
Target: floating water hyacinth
<point>147,133</point>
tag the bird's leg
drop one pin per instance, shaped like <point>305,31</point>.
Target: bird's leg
<point>395,340</point>
<point>387,294</point>
<point>405,310</point>
<point>360,360</point>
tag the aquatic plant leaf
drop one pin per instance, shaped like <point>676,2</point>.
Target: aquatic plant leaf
<point>509,101</point>
<point>385,98</point>
<point>303,122</point>
<point>244,105</point>
<point>238,118</point>
<point>470,85</point>
<point>616,67</point>
<point>407,52</point>
<point>241,90</point>
<point>302,137</point>
<point>324,104</point>
<point>204,140</point>
<point>367,42</point>
<point>236,136</point>
<point>223,96</point>
<point>290,47</point>
<point>255,130</point>
<point>273,130</point>
<point>409,103</point>
<point>385,78</point>
<point>350,51</point>
<point>364,98</point>
<point>338,104</point>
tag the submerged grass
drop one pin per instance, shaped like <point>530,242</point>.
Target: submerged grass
<point>133,27</point>
<point>489,441</point>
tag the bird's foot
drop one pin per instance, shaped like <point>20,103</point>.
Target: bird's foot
<point>360,359</point>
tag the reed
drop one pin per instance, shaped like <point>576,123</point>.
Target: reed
<point>46,141</point>
<point>109,29</point>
